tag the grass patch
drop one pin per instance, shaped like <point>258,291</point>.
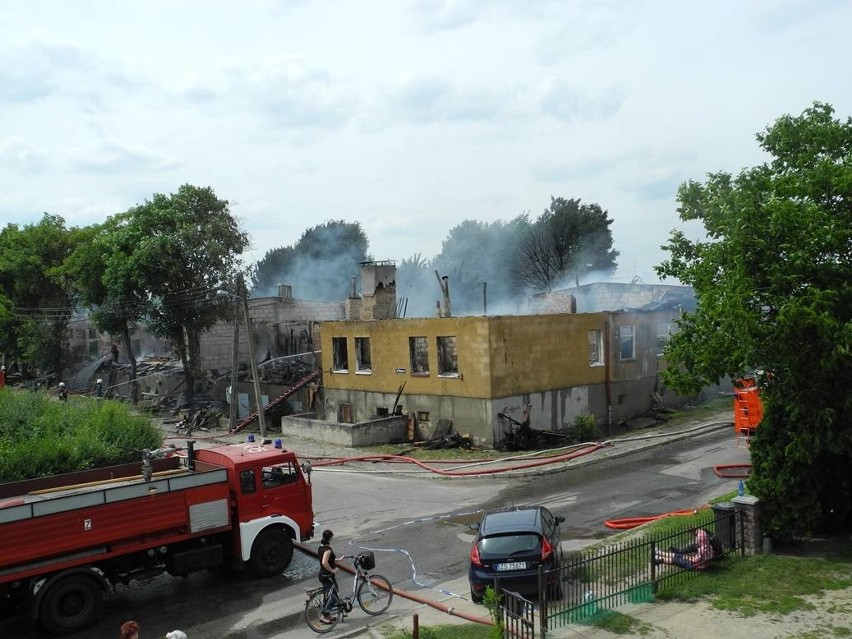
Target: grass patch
<point>620,624</point>
<point>450,631</point>
<point>705,410</point>
<point>771,584</point>
<point>418,452</point>
<point>40,436</point>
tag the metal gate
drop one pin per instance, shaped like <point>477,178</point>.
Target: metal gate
<point>518,615</point>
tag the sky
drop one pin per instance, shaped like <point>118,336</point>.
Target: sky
<point>407,116</point>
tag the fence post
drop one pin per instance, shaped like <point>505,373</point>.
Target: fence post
<point>748,509</point>
<point>415,633</point>
<point>653,566</point>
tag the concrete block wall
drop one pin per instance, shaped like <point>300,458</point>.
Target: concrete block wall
<point>379,431</point>
<point>272,318</point>
<point>613,296</point>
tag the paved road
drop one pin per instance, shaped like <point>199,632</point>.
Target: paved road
<point>417,526</point>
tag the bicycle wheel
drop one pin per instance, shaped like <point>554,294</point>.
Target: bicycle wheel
<point>374,595</point>
<point>313,612</point>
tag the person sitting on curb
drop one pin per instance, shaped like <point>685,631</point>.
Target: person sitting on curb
<point>697,559</point>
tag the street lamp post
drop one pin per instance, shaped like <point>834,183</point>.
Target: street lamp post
<point>258,400</point>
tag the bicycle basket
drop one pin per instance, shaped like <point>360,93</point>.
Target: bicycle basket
<point>366,560</point>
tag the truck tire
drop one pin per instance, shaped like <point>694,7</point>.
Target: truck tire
<point>70,604</point>
<point>271,553</point>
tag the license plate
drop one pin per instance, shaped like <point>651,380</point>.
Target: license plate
<point>512,565</point>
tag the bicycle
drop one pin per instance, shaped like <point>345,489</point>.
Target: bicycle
<point>372,592</point>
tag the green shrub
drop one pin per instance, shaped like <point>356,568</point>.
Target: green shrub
<point>493,601</point>
<point>584,429</point>
<point>40,436</point>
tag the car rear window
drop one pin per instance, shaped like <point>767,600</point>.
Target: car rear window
<point>509,544</point>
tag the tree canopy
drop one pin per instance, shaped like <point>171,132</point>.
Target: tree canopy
<point>478,258</point>
<point>182,247</point>
<point>320,265</point>
<point>773,282</point>
<point>35,303</point>
<point>568,240</point>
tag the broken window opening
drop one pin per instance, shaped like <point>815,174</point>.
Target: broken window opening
<point>448,361</point>
<point>418,348</point>
<point>363,362</point>
<point>340,362</point>
<point>596,351</point>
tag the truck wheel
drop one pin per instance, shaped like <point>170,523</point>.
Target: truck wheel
<point>271,553</point>
<point>71,604</point>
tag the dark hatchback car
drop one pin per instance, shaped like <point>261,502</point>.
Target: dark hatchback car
<point>511,544</point>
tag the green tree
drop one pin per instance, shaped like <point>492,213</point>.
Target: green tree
<point>99,270</point>
<point>773,282</point>
<point>478,259</point>
<point>35,301</point>
<point>182,248</point>
<point>413,276</point>
<point>568,240</point>
<point>319,266</point>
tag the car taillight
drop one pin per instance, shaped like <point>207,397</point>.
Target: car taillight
<point>474,556</point>
<point>546,549</point>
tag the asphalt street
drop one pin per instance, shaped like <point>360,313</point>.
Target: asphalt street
<point>416,521</point>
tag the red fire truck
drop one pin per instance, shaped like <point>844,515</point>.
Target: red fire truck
<point>66,540</point>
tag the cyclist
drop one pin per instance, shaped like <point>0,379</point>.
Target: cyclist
<point>327,572</point>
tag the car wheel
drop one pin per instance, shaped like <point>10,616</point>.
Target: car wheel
<point>477,599</point>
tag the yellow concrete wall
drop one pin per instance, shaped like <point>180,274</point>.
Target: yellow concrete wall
<point>390,354</point>
<point>535,353</point>
<point>497,356</point>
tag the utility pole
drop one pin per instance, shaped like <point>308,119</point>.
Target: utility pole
<point>258,400</point>
<point>232,418</point>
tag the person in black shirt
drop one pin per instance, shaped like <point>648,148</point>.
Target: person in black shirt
<point>327,572</point>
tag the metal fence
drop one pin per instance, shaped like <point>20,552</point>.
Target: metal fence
<point>606,577</point>
<point>518,615</point>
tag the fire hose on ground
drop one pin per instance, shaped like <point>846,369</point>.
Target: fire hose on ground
<point>725,471</point>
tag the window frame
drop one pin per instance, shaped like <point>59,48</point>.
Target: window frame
<point>418,355</point>
<point>362,345</point>
<point>664,332</point>
<point>598,337</point>
<point>447,355</point>
<point>340,364</point>
<point>248,481</point>
<point>623,340</point>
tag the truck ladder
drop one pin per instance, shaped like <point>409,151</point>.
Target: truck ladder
<point>282,397</point>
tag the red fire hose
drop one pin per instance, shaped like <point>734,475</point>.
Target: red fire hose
<point>437,605</point>
<point>733,471</point>
<point>632,522</point>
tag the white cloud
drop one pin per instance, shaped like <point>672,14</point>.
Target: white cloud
<point>17,155</point>
<point>408,117</point>
<point>115,157</point>
<point>286,91</point>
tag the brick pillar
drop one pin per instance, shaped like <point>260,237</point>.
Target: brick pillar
<point>748,507</point>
